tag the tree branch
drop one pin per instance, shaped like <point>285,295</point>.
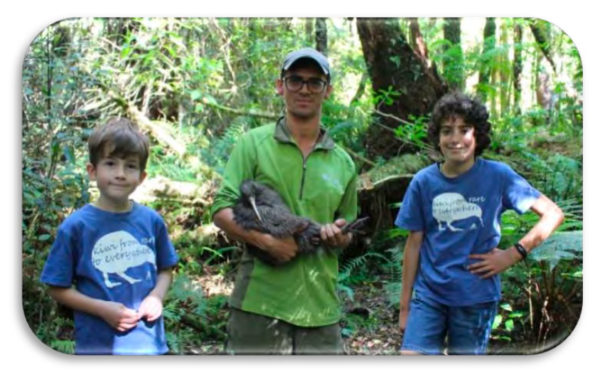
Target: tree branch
<point>157,130</point>
<point>378,112</point>
<point>210,103</point>
<point>358,157</point>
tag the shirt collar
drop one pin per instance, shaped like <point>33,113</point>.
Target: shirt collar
<point>283,134</point>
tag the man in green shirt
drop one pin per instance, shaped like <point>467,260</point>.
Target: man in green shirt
<point>292,307</point>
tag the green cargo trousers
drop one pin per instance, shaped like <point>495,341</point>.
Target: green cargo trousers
<point>254,334</point>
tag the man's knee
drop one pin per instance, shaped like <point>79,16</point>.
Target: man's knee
<point>323,340</point>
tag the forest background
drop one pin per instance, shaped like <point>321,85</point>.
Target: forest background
<point>196,84</point>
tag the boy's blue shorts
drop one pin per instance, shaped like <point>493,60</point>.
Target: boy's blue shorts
<point>467,328</point>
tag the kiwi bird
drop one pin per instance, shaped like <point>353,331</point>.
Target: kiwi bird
<point>261,208</point>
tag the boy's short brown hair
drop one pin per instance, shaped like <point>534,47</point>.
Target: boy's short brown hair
<point>118,137</point>
<point>472,111</point>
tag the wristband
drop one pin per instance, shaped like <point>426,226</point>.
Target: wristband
<point>522,251</point>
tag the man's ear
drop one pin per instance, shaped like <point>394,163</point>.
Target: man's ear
<point>328,91</point>
<point>279,86</point>
<point>91,170</point>
<point>143,176</point>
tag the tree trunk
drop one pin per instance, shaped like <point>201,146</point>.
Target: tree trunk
<point>403,83</point>
<point>517,66</point>
<point>361,88</point>
<point>453,62</point>
<point>485,70</point>
<point>504,70</point>
<point>417,41</point>
<point>308,28</point>
<point>321,35</point>
<point>543,41</point>
<point>543,91</point>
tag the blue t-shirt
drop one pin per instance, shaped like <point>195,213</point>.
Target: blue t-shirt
<point>458,217</point>
<point>113,257</point>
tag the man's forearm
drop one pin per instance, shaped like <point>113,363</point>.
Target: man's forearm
<point>224,220</point>
<point>281,249</point>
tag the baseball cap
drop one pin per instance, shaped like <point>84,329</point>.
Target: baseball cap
<point>310,53</point>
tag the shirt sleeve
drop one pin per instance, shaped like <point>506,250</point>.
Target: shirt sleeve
<point>60,265</point>
<point>518,194</point>
<point>166,256</point>
<point>240,167</point>
<point>410,216</point>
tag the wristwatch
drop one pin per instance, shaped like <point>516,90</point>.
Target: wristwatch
<point>522,251</point>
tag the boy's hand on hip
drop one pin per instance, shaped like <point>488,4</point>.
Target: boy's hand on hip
<point>493,262</point>
<point>151,308</point>
<point>118,316</point>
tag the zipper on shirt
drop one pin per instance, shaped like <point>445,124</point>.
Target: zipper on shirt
<point>303,174</point>
<point>304,161</point>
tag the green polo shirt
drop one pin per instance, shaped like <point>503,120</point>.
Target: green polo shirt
<point>322,187</point>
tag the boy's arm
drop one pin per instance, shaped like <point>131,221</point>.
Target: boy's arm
<point>280,249</point>
<point>151,307</point>
<point>410,265</point>
<point>115,314</point>
<point>498,260</point>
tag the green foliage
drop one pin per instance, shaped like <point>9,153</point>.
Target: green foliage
<point>386,96</point>
<point>355,270</point>
<point>65,346</point>
<point>542,297</point>
<point>183,293</point>
<point>351,323</point>
<point>57,332</point>
<point>414,132</point>
<point>504,322</point>
<point>54,179</point>
<point>183,300</point>
<point>218,153</point>
<point>559,246</point>
<point>557,176</point>
<point>393,287</point>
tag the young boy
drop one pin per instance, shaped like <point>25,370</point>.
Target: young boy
<point>116,252</point>
<point>451,259</point>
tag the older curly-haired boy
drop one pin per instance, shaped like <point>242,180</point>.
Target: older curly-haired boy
<point>450,281</point>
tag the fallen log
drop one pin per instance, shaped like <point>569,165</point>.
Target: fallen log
<point>381,190</point>
<point>188,193</point>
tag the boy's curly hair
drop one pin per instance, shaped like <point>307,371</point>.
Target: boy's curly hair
<point>473,113</point>
<point>118,137</point>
